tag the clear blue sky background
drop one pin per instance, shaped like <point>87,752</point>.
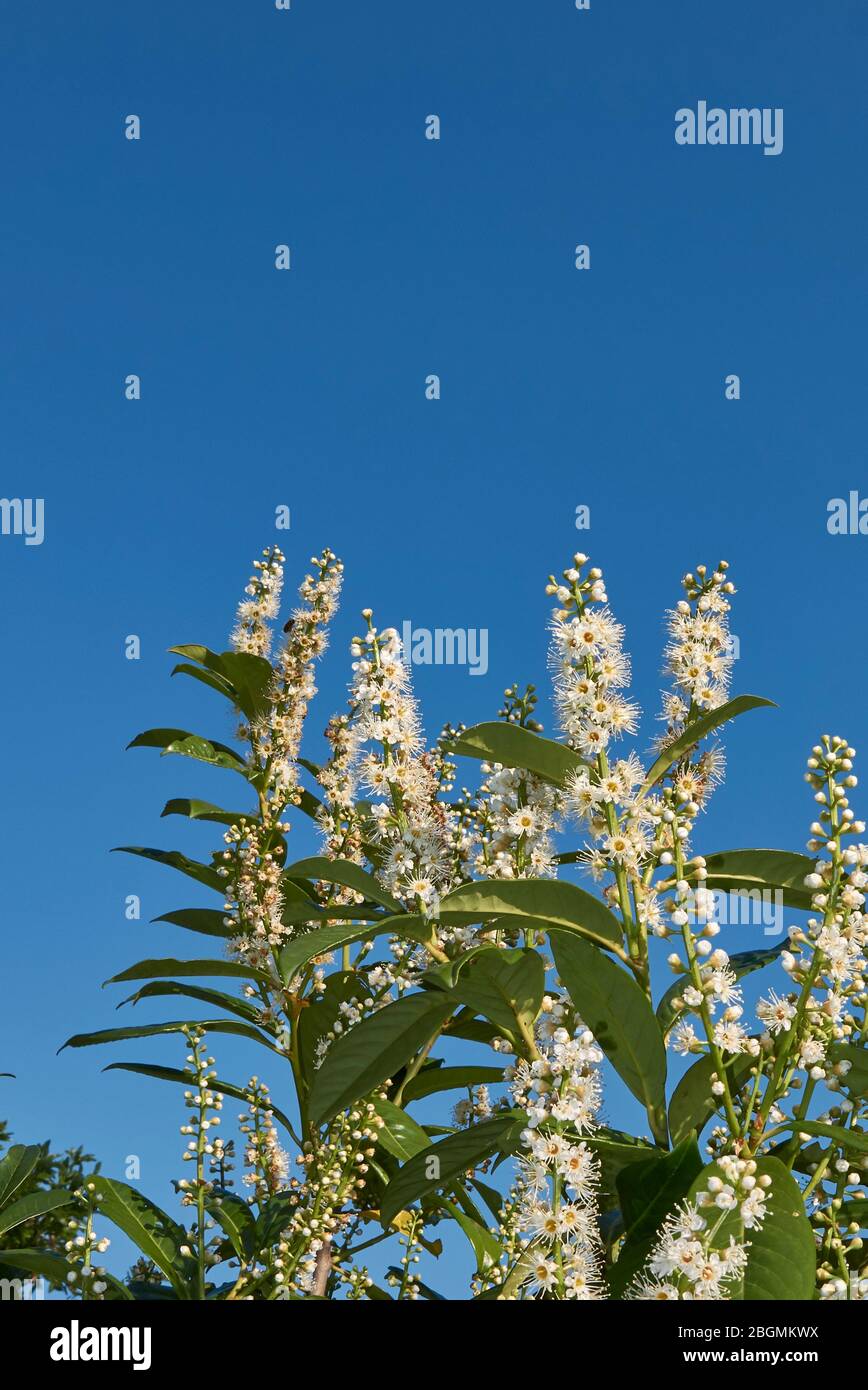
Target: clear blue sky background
<point>306,388</point>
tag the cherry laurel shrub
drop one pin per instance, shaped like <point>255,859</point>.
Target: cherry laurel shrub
<point>437,949</point>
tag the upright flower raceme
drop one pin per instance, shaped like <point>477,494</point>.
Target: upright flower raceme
<point>556,1213</point>
<point>260,605</point>
<point>696,1255</point>
<point>252,862</point>
<point>276,734</point>
<point>409,823</point>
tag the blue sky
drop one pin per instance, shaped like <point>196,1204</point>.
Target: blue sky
<point>259,388</point>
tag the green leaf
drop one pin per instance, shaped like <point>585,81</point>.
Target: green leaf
<point>173,859</point>
<point>743,963</point>
<point>348,875</point>
<point>217,998</point>
<point>433,1079</point>
<point>202,810</point>
<point>15,1168</point>
<point>184,1078</point>
<point>781,1255</point>
<point>699,729</point>
<point>552,902</point>
<point>400,1136</point>
<point>54,1268</point>
<point>204,750</point>
<point>620,1018</point>
<point>204,920</point>
<point>452,1157</point>
<point>692,1103</point>
<point>781,1259</point>
<point>235,1216</point>
<point>248,677</point>
<point>322,1014</point>
<point>144,969</point>
<point>305,947</point>
<point>152,1030</point>
<point>375,1049</point>
<point>648,1192</point>
<point>209,678</point>
<point>750,871</point>
<point>516,747</point>
<point>485,1246</point>
<point>506,987</point>
<point>157,1236</point>
<point>616,1150</point>
<point>34,1204</point>
<point>847,1139</point>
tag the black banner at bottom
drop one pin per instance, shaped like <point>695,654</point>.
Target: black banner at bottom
<point>62,1339</point>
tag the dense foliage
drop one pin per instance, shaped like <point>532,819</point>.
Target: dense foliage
<point>438,947</point>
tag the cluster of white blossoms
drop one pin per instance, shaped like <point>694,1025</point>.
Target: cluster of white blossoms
<point>711,984</point>
<point>321,1205</point>
<point>412,826</point>
<point>276,735</point>
<point>260,606</point>
<point>252,862</point>
<point>265,1157</point>
<point>589,664</point>
<point>699,654</point>
<point>515,814</point>
<point>695,1257</point>
<point>557,1216</point>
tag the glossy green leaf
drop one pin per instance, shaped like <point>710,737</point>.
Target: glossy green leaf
<point>752,871</point>
<point>699,729</point>
<point>173,859</point>
<point>26,1208</point>
<point>452,1158</point>
<point>236,1218</point>
<point>183,1078</point>
<point>375,1049</point>
<point>188,745</point>
<point>547,902</point>
<point>149,1228</point>
<point>166,966</point>
<point>781,1263</point>
<point>851,1140</point>
<point>649,1191</point>
<point>217,998</point>
<point>856,1079</point>
<point>201,810</point>
<point>205,921</point>
<point>485,1246</point>
<point>516,747</point>
<point>400,1136</point>
<point>434,1079</point>
<point>506,987</point>
<point>248,677</point>
<point>15,1168</point>
<point>348,875</point>
<point>781,1255</point>
<point>305,947</point>
<point>153,1030</point>
<point>620,1017</point>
